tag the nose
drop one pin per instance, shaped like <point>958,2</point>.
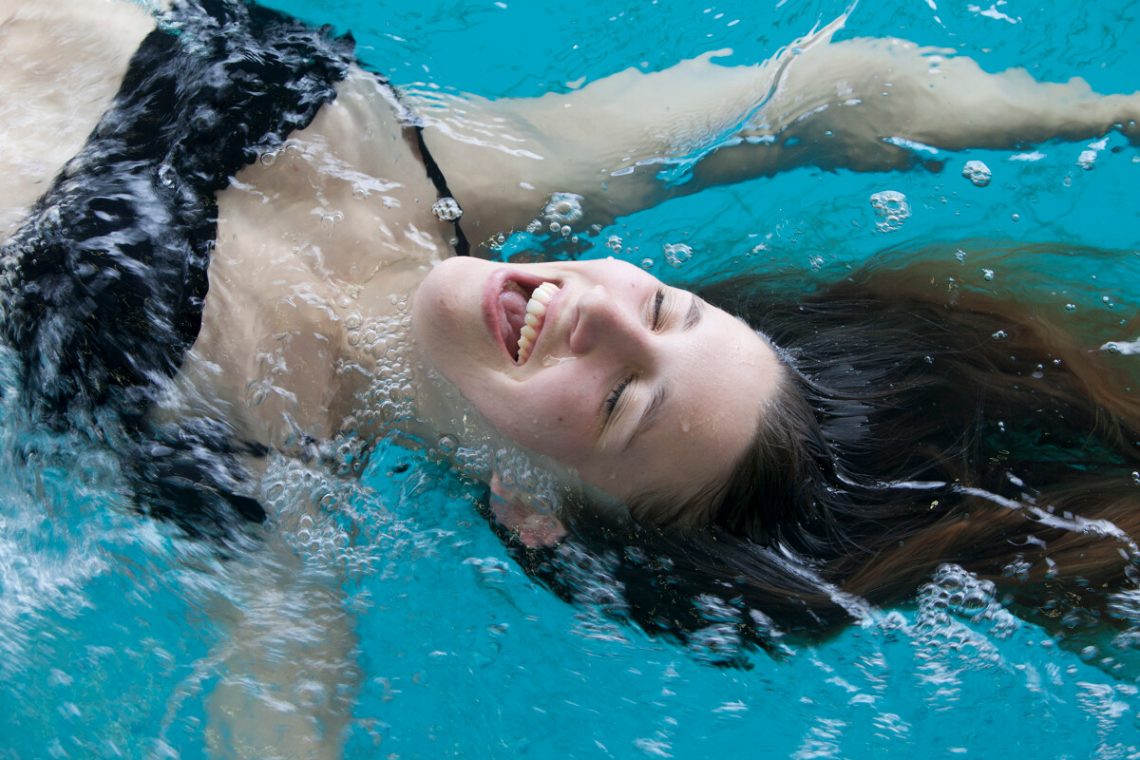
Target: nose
<point>611,326</point>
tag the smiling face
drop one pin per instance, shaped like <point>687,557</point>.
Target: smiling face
<point>637,387</point>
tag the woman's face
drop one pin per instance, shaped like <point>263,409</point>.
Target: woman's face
<point>639,388</point>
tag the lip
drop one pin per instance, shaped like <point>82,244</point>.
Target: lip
<point>493,310</point>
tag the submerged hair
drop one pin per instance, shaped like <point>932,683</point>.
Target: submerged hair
<point>920,422</point>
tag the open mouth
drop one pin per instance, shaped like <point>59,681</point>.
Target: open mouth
<point>523,312</point>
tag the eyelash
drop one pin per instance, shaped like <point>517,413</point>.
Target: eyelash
<point>655,324</point>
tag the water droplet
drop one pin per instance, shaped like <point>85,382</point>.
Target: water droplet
<point>977,172</point>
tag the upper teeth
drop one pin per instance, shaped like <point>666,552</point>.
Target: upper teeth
<point>535,314</point>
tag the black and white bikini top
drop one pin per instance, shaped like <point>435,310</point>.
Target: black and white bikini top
<point>102,288</point>
<point>107,276</point>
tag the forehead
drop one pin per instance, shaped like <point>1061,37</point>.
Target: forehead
<point>718,378</point>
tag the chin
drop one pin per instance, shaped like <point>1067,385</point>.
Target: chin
<point>446,315</point>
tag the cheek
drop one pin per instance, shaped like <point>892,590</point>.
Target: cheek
<point>555,418</point>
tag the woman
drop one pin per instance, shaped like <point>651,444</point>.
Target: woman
<point>250,247</point>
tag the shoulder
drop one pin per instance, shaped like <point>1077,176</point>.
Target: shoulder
<point>64,60</point>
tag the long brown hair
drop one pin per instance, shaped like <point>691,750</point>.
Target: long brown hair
<point>927,418</point>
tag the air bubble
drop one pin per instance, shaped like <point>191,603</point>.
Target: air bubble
<point>1000,335</point>
<point>614,243</point>
<point>987,274</point>
<point>977,172</point>
<point>960,255</point>
<point>647,263</point>
<point>563,208</point>
<point>891,209</point>
<point>269,157</point>
<point>1070,307</point>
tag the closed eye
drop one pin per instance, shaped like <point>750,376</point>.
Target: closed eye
<point>615,395</point>
<point>655,320</point>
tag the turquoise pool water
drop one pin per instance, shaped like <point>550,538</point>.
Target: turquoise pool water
<point>111,632</point>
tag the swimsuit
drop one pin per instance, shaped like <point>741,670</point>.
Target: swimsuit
<point>105,281</point>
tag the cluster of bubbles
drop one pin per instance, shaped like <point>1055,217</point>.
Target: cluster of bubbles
<point>390,396</point>
<point>676,254</point>
<point>952,597</point>
<point>977,172</point>
<point>561,212</point>
<point>891,210</point>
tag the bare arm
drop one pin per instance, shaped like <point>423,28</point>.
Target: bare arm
<point>631,140</point>
<point>288,672</point>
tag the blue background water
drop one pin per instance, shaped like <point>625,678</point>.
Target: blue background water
<point>109,637</point>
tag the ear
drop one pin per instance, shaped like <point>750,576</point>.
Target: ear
<point>513,511</point>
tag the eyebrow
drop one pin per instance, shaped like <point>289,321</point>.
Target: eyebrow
<point>649,416</point>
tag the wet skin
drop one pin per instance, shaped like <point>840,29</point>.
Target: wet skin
<point>636,387</point>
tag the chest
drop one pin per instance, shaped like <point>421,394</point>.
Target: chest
<point>329,233</point>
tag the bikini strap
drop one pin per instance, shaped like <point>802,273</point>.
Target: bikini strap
<point>447,209</point>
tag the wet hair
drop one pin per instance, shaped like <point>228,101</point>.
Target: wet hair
<point>921,422</point>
